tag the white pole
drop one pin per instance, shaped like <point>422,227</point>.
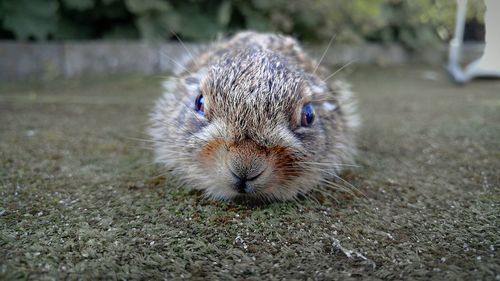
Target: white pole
<point>453,67</point>
<point>456,42</point>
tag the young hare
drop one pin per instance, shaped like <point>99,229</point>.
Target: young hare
<point>254,117</point>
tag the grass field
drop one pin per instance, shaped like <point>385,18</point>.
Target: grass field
<point>81,199</point>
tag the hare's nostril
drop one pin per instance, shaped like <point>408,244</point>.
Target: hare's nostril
<point>256,176</point>
<point>241,186</point>
<point>238,177</point>
<point>245,175</point>
<point>242,183</point>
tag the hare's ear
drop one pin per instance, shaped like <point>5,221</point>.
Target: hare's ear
<point>193,81</point>
<point>324,95</point>
<point>192,84</point>
<point>317,87</point>
<point>342,93</point>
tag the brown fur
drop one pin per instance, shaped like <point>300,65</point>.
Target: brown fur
<point>254,87</point>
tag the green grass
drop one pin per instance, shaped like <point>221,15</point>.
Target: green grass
<point>80,198</point>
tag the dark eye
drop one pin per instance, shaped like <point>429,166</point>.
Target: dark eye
<point>198,104</point>
<point>307,116</point>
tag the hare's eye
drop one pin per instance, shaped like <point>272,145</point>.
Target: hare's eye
<point>307,116</point>
<point>198,104</point>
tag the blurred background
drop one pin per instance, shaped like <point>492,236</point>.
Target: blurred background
<point>413,24</point>
<point>409,27</point>
<point>82,200</point>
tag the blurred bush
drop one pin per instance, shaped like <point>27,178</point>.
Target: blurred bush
<point>413,23</point>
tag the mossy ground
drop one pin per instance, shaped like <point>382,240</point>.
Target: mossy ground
<point>80,198</point>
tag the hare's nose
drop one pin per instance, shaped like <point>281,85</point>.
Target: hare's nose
<point>246,161</point>
<point>242,182</point>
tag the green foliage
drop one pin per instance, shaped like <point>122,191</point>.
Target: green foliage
<point>80,5</point>
<point>413,23</point>
<point>25,18</point>
<point>152,17</point>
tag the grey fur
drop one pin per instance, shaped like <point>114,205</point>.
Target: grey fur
<point>254,86</point>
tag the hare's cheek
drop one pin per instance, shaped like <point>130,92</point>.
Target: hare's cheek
<point>284,164</point>
<point>212,153</point>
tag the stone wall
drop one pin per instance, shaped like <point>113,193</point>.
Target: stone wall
<point>35,61</point>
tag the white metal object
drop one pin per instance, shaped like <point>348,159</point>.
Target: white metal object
<point>488,65</point>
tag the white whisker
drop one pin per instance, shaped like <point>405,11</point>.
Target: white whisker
<point>338,70</point>
<point>324,53</point>
<point>184,68</point>
<point>183,45</point>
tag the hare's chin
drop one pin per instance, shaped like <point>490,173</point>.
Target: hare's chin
<point>269,193</point>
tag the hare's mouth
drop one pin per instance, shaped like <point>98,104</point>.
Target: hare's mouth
<point>247,169</point>
<point>244,183</point>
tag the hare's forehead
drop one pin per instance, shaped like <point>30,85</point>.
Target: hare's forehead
<point>254,86</point>
<point>254,73</point>
<point>252,103</point>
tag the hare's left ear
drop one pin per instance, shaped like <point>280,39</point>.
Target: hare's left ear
<point>320,89</point>
<point>323,95</point>
<point>317,86</point>
<point>193,82</point>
